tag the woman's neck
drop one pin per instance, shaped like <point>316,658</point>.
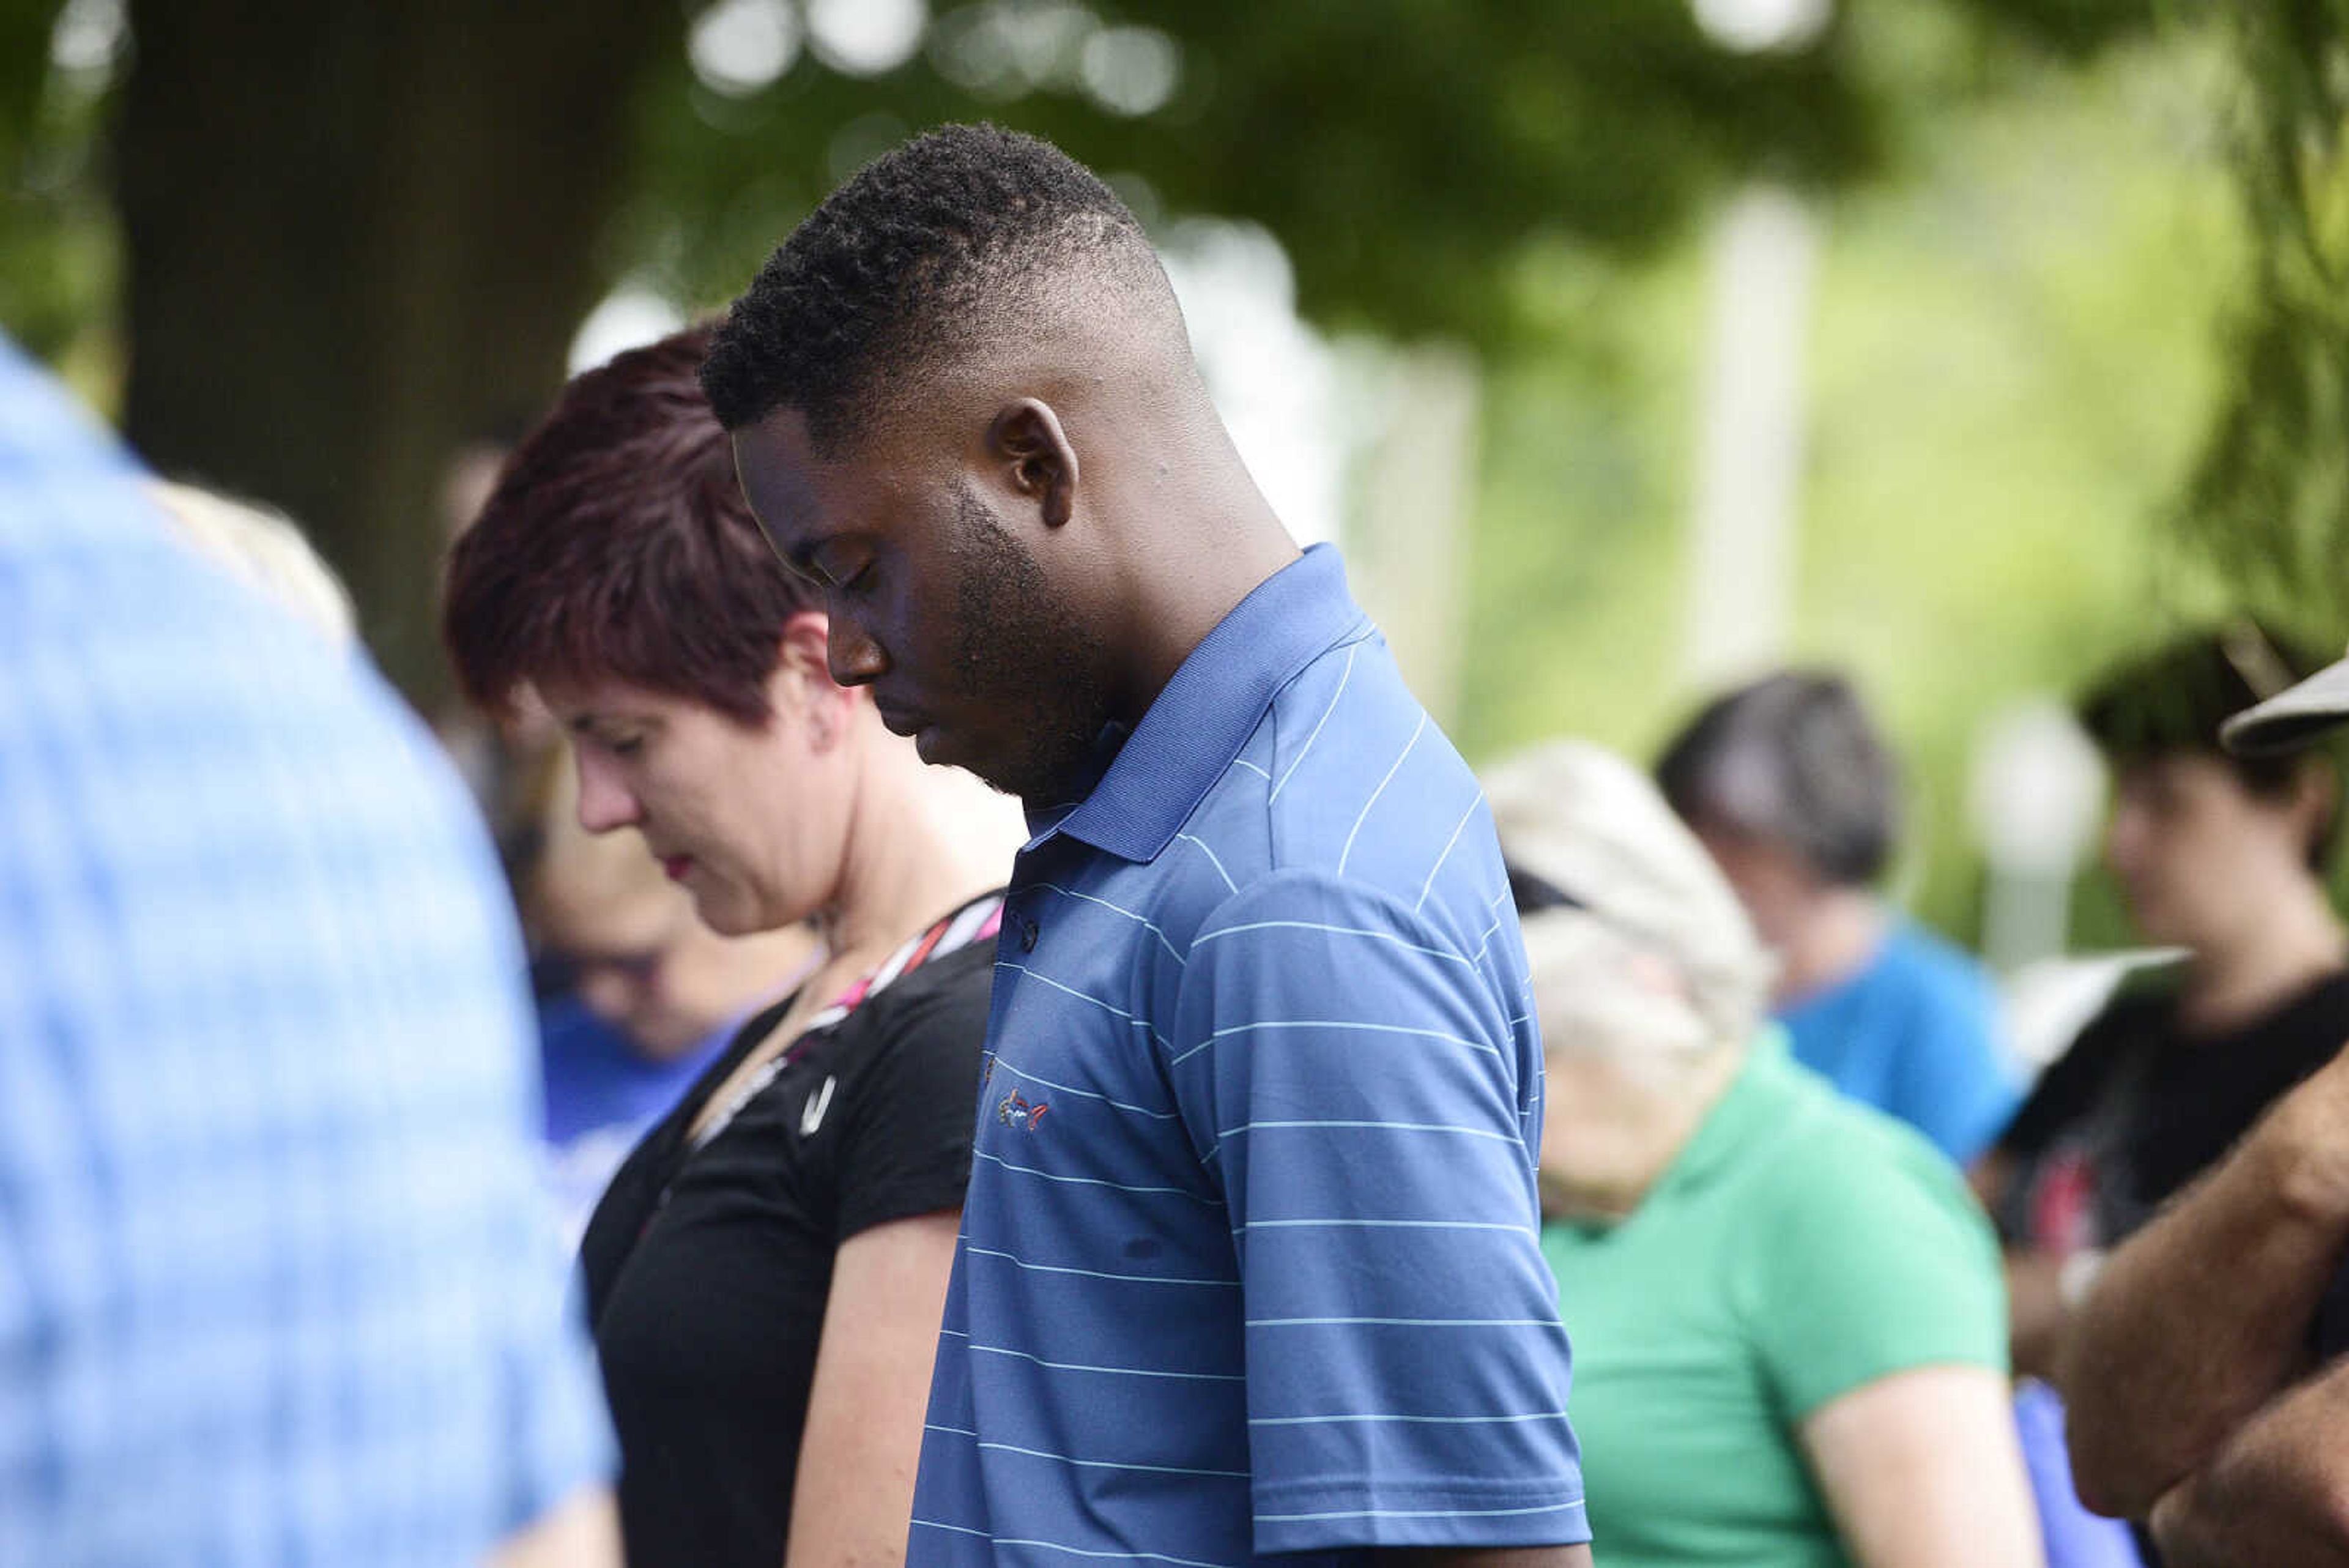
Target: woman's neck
<point>921,842</point>
<point>2299,941</point>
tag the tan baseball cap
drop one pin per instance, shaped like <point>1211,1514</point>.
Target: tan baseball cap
<point>2292,717</point>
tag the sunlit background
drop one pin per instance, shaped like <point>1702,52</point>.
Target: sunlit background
<point>1627,347</point>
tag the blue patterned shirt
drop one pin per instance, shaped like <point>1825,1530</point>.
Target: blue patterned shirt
<point>1250,1262</point>
<point>276,1285</point>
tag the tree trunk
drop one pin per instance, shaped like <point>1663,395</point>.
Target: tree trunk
<point>360,233</point>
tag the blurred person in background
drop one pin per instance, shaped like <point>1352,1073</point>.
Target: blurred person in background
<point>1790,787</point>
<point>766,1271</point>
<point>1789,1332</point>
<point>2208,1391</point>
<point>2221,856</point>
<point>277,1285</point>
<point>646,995</point>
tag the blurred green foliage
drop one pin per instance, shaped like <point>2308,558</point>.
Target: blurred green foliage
<point>2269,497</point>
<point>2013,359</point>
<point>2042,325</point>
<point>1405,150</point>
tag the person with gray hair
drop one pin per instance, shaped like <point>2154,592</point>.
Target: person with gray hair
<point>1789,1321</point>
<point>1794,791</point>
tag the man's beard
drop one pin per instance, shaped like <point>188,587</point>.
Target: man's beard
<point>1018,650</point>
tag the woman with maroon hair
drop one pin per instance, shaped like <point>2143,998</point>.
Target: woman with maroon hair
<point>766,1272</point>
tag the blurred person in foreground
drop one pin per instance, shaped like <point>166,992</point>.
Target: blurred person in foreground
<point>764,1273</point>
<point>1789,1336</point>
<point>2224,857</point>
<point>1793,791</point>
<point>2210,1393</point>
<point>276,1283</point>
<point>648,996</point>
<point>1250,1265</point>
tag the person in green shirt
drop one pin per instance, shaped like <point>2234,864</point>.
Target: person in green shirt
<point>1789,1324</point>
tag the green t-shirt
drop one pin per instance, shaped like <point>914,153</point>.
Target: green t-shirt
<point>1801,1246</point>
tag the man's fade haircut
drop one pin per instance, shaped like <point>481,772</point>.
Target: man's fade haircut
<point>2171,701</point>
<point>617,545</point>
<point>963,233</point>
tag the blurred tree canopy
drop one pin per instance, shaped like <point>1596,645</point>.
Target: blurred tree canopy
<point>2270,500</point>
<point>353,236</point>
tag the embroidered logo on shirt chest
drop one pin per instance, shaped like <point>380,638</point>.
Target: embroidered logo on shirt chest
<point>1015,1110</point>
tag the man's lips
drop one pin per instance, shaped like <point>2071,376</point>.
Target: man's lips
<point>677,866</point>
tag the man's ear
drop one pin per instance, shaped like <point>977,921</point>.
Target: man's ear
<point>1038,461</point>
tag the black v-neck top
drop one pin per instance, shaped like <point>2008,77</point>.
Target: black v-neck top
<point>708,1269</point>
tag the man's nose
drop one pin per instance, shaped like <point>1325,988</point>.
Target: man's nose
<point>605,802</point>
<point>855,658</point>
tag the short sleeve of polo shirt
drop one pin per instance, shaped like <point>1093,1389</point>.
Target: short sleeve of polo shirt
<point>1353,1087</point>
<point>906,1144</point>
<point>1870,1265</point>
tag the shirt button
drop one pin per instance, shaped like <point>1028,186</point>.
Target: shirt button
<point>1028,930</point>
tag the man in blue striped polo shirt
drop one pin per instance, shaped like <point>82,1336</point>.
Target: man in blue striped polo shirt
<point>1248,1261</point>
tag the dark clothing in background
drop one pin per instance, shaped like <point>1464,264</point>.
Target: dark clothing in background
<point>707,1270</point>
<point>2137,1109</point>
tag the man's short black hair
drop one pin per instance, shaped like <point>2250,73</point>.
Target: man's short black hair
<point>2171,702</point>
<point>1794,760</point>
<point>906,266</point>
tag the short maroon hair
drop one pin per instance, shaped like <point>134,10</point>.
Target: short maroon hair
<point>618,544</point>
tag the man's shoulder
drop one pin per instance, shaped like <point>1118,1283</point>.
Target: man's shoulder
<point>1355,778</point>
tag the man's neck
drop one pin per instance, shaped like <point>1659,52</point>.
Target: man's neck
<point>1186,592</point>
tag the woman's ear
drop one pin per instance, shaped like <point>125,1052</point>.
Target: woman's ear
<point>805,647</point>
<point>802,690</point>
<point>1036,458</point>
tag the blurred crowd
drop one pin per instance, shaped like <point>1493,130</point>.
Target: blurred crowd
<point>614,1119</point>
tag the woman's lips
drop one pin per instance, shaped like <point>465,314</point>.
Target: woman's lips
<point>677,866</point>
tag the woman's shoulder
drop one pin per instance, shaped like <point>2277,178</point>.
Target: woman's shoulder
<point>1864,1252</point>
<point>958,983</point>
<point>1826,1156</point>
<point>938,998</point>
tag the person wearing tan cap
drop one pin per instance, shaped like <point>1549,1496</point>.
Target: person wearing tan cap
<point>2204,1370</point>
<point>1790,1334</point>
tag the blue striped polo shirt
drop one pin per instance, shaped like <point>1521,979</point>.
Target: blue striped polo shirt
<point>1249,1262</point>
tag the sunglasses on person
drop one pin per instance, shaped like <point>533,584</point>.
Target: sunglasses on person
<point>1536,894</point>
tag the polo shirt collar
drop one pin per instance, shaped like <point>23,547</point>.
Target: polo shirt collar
<point>1219,695</point>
